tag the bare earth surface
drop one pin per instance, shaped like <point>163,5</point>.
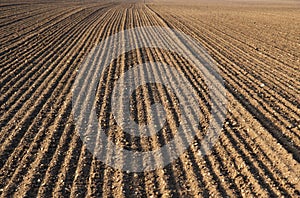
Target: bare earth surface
<point>256,46</point>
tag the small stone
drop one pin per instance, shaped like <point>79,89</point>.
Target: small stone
<point>262,85</point>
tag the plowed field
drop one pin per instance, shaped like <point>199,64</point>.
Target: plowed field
<point>256,48</point>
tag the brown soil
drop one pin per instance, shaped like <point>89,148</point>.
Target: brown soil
<point>257,51</point>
